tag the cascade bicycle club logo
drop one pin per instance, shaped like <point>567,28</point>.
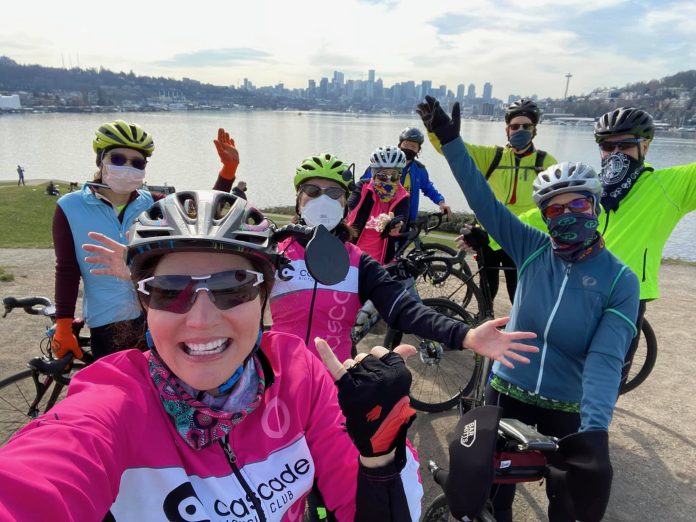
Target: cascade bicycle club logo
<point>278,492</point>
<point>468,435</point>
<point>285,272</point>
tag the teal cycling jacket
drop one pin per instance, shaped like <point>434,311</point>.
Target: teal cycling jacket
<point>583,313</point>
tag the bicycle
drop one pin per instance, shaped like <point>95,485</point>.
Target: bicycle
<point>520,453</point>
<point>30,393</point>
<point>440,373</point>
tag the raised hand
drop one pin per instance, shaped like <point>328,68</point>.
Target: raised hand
<point>110,253</point>
<point>373,396</point>
<point>437,121</point>
<point>228,153</point>
<point>488,341</point>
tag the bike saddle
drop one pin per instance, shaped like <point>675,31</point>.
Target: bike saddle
<point>527,437</point>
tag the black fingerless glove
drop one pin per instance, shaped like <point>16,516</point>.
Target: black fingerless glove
<point>476,238</point>
<point>373,396</point>
<point>437,121</point>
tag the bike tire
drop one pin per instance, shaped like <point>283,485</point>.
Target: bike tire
<point>643,360</point>
<point>438,511</point>
<point>18,400</point>
<point>458,286</point>
<point>437,386</point>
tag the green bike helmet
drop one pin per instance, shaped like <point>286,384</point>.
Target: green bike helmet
<point>326,166</point>
<point>122,134</point>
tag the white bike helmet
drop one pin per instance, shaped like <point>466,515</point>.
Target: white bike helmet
<point>389,157</point>
<point>566,177</point>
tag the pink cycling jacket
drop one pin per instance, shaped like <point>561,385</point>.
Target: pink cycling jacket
<point>109,449</point>
<point>335,307</point>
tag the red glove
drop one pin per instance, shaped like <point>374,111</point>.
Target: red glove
<point>229,155</point>
<point>64,341</point>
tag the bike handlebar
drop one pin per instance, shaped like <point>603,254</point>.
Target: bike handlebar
<point>31,305</point>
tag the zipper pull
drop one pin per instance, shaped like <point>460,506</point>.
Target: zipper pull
<point>231,457</point>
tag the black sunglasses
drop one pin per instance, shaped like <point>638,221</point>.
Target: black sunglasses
<point>611,146</point>
<point>118,159</point>
<point>314,191</point>
<point>517,126</point>
<point>177,293</point>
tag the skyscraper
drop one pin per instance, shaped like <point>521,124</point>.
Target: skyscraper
<point>471,93</point>
<point>461,89</point>
<point>370,87</point>
<point>426,88</point>
<point>487,92</point>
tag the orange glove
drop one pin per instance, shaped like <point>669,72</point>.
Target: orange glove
<point>229,155</point>
<point>64,341</point>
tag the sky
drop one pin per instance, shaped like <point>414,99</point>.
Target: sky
<point>522,47</point>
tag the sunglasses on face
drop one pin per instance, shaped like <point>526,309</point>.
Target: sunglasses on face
<point>386,175</point>
<point>118,159</point>
<point>583,205</point>
<point>611,146</point>
<point>177,293</point>
<point>518,126</point>
<point>314,191</point>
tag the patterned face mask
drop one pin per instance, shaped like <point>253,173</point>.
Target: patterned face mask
<point>574,235</point>
<point>619,172</point>
<point>385,190</point>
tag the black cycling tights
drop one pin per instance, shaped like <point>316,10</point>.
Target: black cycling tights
<point>548,422</point>
<point>114,337</point>
<point>495,261</point>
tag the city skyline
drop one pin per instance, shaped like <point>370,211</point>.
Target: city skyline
<point>517,46</point>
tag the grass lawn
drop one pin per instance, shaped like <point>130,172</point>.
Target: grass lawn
<point>26,214</point>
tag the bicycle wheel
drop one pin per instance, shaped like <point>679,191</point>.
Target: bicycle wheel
<point>438,511</point>
<point>455,284</point>
<point>643,360</point>
<point>441,374</point>
<point>21,401</point>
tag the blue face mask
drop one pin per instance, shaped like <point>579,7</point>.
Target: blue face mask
<point>520,139</point>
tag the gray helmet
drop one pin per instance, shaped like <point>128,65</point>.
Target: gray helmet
<point>566,177</point>
<point>523,107</point>
<point>411,134</point>
<point>388,157</point>
<point>203,221</point>
<point>624,120</point>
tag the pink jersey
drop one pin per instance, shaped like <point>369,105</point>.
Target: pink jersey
<point>335,307</point>
<point>111,447</point>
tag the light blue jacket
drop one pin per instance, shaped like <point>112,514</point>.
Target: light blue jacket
<point>106,299</point>
<point>583,313</point>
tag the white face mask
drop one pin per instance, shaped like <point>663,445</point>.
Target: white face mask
<point>322,211</point>
<point>122,179</point>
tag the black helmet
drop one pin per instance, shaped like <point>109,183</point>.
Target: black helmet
<point>523,107</point>
<point>411,134</point>
<point>624,120</point>
<point>203,221</point>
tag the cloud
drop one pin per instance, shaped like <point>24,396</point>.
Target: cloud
<point>452,23</point>
<point>216,57</point>
<point>385,3</point>
<point>326,59</point>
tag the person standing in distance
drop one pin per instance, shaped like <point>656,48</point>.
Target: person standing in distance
<point>414,176</point>
<point>510,172</point>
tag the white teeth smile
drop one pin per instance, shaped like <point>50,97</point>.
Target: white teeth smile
<point>208,348</point>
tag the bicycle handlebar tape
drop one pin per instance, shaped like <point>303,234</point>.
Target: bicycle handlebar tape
<point>580,482</point>
<point>64,339</point>
<point>373,396</point>
<point>471,455</point>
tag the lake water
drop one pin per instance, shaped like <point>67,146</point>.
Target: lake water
<point>272,144</point>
